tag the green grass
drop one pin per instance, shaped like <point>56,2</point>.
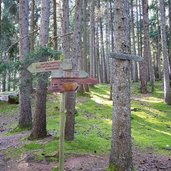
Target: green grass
<point>8,109</point>
<point>151,123</point>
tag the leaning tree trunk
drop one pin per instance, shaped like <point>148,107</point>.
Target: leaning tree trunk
<point>25,116</point>
<point>39,124</point>
<point>167,88</point>
<point>121,152</point>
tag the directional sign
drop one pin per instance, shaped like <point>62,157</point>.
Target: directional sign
<point>68,74</point>
<point>57,81</point>
<point>49,66</point>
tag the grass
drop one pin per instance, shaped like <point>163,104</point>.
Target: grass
<point>151,123</point>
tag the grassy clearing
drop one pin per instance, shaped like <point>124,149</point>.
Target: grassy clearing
<point>151,123</point>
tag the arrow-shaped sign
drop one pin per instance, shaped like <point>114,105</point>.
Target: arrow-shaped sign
<point>68,74</point>
<point>49,66</point>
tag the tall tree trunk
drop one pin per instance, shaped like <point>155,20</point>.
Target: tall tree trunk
<point>147,49</point>
<point>92,35</point>
<point>144,63</point>
<point>55,40</point>
<point>32,35</point>
<point>167,88</point>
<point>32,26</point>
<point>39,124</point>
<point>121,152</point>
<point>70,96</point>
<point>170,34</point>
<point>76,58</point>
<point>158,55</point>
<point>104,72</point>
<point>134,64</point>
<point>112,42</point>
<point>25,115</point>
<point>65,29</point>
<point>85,41</point>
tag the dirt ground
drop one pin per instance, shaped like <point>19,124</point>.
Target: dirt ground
<point>142,161</point>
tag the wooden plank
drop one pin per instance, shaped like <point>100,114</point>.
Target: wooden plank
<point>68,74</point>
<point>123,56</point>
<point>49,66</point>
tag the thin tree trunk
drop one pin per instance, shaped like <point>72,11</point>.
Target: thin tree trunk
<point>85,41</point>
<point>104,72</point>
<point>121,152</point>
<point>76,58</point>
<point>55,40</point>
<point>92,35</point>
<point>167,88</point>
<point>112,39</point>
<point>170,34</point>
<point>134,64</point>
<point>144,63</point>
<point>4,81</point>
<point>25,115</point>
<point>39,124</point>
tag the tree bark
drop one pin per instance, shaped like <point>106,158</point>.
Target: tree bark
<point>92,35</point>
<point>25,115</point>
<point>65,29</point>
<point>76,58</point>
<point>39,124</point>
<point>104,72</point>
<point>144,63</point>
<point>55,41</point>
<point>134,63</point>
<point>85,41</point>
<point>167,88</point>
<point>170,34</point>
<point>121,152</point>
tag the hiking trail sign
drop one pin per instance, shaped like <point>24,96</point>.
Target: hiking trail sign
<point>49,66</point>
<point>63,79</point>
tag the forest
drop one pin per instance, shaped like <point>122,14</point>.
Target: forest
<point>85,85</point>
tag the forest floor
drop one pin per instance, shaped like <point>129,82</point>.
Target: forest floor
<point>151,135</point>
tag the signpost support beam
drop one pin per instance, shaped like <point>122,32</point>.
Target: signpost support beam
<point>62,132</point>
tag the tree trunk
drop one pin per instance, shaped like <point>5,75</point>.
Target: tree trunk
<point>25,115</point>
<point>32,26</point>
<point>76,58</point>
<point>85,41</point>
<point>65,29</point>
<point>134,64</point>
<point>112,42</point>
<point>55,40</point>
<point>170,34</point>
<point>92,35</point>
<point>167,88</point>
<point>147,49</point>
<point>144,63</point>
<point>121,152</point>
<point>104,72</point>
<point>39,124</point>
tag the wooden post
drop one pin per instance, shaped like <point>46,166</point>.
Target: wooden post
<point>62,133</point>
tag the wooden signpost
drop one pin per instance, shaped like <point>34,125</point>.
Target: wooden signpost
<point>63,79</point>
<point>49,66</point>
